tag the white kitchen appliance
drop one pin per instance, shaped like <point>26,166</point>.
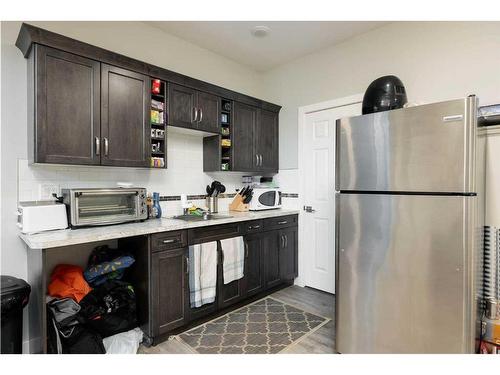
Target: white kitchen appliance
<point>39,216</point>
<point>265,199</point>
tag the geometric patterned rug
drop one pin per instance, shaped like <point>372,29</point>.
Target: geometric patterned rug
<point>266,326</point>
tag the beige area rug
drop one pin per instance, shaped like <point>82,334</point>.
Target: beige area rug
<point>267,326</point>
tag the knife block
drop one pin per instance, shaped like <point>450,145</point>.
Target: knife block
<point>238,205</point>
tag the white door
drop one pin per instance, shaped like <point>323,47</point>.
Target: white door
<point>318,228</point>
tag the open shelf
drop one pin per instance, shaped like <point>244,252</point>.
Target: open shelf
<point>158,105</point>
<point>226,131</point>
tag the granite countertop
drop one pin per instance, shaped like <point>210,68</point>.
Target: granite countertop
<point>66,237</point>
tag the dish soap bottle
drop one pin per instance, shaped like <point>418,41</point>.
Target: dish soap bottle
<point>156,206</point>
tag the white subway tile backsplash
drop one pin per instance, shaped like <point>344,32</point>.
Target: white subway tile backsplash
<point>184,176</point>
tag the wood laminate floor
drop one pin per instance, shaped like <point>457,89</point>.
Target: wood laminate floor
<point>321,341</point>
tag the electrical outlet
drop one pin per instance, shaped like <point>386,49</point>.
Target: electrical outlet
<point>46,190</point>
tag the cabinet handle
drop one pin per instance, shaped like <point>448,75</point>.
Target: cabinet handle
<point>246,250</point>
<point>282,222</point>
<point>286,240</point>
<point>195,114</point>
<point>282,241</point>
<point>169,241</point>
<point>256,226</point>
<point>201,114</point>
<point>97,146</point>
<point>257,160</point>
<point>187,264</point>
<point>106,147</point>
<point>260,160</point>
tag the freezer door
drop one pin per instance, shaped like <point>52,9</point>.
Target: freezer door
<point>404,274</point>
<point>428,148</point>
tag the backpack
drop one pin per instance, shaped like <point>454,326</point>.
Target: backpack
<point>110,308</point>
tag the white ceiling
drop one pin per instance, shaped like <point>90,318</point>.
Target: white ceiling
<point>287,41</point>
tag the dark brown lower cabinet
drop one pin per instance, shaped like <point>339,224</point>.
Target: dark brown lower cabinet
<point>229,293</point>
<point>288,263</point>
<point>254,264</point>
<point>169,289</point>
<point>272,258</point>
<point>270,261</point>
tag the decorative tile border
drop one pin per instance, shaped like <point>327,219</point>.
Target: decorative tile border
<point>226,195</point>
<point>193,197</point>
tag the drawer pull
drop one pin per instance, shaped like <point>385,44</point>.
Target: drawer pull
<point>256,226</point>
<point>282,222</point>
<point>169,241</point>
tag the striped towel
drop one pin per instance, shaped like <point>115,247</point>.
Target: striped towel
<point>202,273</point>
<point>234,258</point>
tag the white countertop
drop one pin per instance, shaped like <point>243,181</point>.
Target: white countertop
<point>66,237</point>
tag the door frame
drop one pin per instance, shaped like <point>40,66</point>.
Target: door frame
<point>302,113</point>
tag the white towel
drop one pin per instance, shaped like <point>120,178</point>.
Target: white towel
<point>233,250</point>
<point>202,273</point>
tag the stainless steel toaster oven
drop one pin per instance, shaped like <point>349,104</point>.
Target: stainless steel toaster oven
<point>89,207</point>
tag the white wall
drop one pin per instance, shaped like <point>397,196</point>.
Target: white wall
<point>435,60</point>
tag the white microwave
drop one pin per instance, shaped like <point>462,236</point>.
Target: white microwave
<point>265,199</point>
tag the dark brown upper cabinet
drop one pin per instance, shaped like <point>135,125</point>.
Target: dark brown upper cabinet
<point>66,95</point>
<point>266,141</point>
<point>208,106</point>
<point>245,121</point>
<point>193,109</point>
<point>91,106</point>
<point>255,139</point>
<point>86,112</point>
<point>181,106</point>
<point>125,103</point>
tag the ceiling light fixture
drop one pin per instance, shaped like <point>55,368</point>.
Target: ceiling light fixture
<point>260,31</point>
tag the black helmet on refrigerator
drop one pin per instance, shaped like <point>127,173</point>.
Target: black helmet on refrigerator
<point>383,94</point>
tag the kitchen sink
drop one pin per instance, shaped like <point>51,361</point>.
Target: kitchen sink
<point>201,218</point>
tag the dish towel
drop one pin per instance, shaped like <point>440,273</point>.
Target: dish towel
<point>233,250</point>
<point>202,273</point>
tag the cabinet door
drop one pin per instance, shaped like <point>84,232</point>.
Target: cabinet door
<point>288,253</point>
<point>181,105</point>
<point>266,141</point>
<point>254,264</point>
<point>125,137</point>
<point>169,289</point>
<point>244,155</point>
<point>272,258</point>
<point>67,119</point>
<point>208,112</point>
<point>232,292</point>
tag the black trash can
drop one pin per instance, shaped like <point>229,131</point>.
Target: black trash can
<point>14,294</point>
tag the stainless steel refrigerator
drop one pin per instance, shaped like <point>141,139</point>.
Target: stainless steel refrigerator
<point>409,219</point>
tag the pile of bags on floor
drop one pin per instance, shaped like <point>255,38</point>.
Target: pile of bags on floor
<point>94,311</point>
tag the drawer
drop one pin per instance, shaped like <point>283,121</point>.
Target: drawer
<point>214,233</point>
<point>254,226</point>
<point>168,240</point>
<point>281,222</point>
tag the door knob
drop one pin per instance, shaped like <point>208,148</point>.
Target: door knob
<point>309,209</point>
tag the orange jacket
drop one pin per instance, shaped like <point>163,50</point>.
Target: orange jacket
<point>67,281</point>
